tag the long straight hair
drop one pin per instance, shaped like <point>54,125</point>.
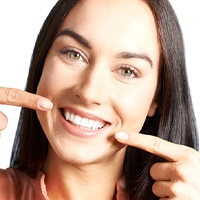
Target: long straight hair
<point>174,118</point>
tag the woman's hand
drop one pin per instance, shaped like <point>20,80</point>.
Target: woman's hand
<point>177,179</point>
<point>16,97</point>
<point>122,193</point>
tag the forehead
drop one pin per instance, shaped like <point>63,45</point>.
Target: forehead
<point>116,23</point>
<point>122,12</point>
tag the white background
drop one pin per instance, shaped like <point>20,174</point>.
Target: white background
<point>20,22</point>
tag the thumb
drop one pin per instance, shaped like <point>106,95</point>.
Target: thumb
<point>122,193</point>
<point>3,121</point>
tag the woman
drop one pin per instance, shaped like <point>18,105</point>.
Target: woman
<point>112,70</point>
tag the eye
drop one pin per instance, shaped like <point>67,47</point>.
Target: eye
<point>128,72</point>
<point>74,54</point>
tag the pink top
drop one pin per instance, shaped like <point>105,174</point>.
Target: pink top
<point>15,185</point>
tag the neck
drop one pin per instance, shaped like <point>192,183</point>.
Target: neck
<point>83,182</point>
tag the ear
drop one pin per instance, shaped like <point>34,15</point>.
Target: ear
<point>152,109</point>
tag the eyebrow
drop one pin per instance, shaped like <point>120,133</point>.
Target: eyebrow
<point>76,36</point>
<point>127,55</point>
<point>84,42</point>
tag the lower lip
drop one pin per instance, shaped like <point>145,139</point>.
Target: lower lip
<point>76,131</point>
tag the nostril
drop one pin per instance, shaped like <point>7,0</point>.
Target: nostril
<point>90,87</point>
<point>89,97</point>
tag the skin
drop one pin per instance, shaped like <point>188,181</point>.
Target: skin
<point>172,179</point>
<point>183,165</point>
<point>16,97</point>
<point>71,81</point>
<point>177,179</point>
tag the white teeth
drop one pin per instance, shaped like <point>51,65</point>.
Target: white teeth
<point>83,122</point>
<point>77,119</point>
<point>90,123</point>
<point>71,117</point>
<point>67,114</point>
<point>96,124</point>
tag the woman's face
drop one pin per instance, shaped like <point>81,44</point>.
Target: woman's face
<point>101,74</point>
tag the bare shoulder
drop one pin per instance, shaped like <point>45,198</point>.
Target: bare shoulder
<point>5,184</point>
<point>16,185</point>
<point>12,177</point>
<point>4,178</point>
<point>13,184</point>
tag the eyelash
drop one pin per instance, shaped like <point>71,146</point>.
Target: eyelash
<point>68,51</point>
<point>134,72</point>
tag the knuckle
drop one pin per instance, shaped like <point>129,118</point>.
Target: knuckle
<point>155,145</point>
<point>182,168</point>
<point>158,189</point>
<point>175,189</point>
<point>30,101</point>
<point>180,171</point>
<point>11,95</point>
<point>154,188</point>
<point>191,154</point>
<point>153,170</point>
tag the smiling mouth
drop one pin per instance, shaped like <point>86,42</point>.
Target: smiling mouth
<point>83,123</point>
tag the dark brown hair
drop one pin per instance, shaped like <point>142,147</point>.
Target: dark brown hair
<point>174,119</point>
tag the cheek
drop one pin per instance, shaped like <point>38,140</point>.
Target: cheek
<point>134,109</point>
<point>50,82</point>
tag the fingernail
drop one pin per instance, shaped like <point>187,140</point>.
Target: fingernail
<point>122,136</point>
<point>122,184</point>
<point>45,104</point>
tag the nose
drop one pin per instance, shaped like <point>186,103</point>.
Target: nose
<point>92,87</point>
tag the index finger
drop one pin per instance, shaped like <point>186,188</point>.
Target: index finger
<point>17,97</point>
<point>152,144</point>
